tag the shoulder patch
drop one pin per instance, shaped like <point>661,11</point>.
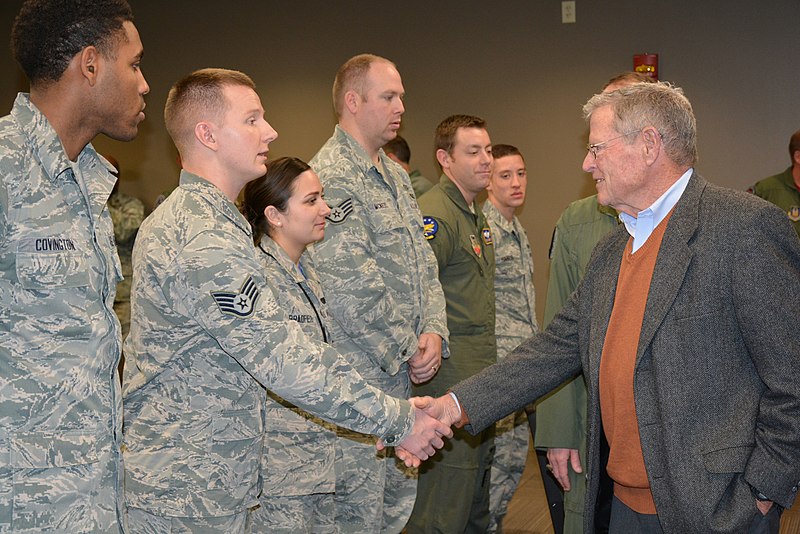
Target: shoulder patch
<point>429,227</point>
<point>241,303</point>
<point>487,236</point>
<point>794,213</point>
<point>341,212</point>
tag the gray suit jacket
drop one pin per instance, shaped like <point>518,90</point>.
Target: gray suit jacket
<point>717,378</point>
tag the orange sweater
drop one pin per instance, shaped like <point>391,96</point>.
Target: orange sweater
<point>617,363</point>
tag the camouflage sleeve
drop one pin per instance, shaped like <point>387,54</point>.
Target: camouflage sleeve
<point>3,209</point>
<point>357,295</point>
<point>232,301</point>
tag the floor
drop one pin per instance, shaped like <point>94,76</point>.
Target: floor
<point>528,513</point>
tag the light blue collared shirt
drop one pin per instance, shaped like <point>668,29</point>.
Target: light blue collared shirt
<point>642,226</point>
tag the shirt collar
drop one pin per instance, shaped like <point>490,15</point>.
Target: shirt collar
<point>362,158</point>
<point>269,246</point>
<point>452,191</point>
<point>497,219</point>
<point>216,198</point>
<point>642,226</point>
<point>48,147</point>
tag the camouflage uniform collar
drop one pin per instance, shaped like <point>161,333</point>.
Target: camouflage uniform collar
<point>496,218</point>
<point>360,155</point>
<point>273,249</point>
<point>452,191</point>
<point>215,198</point>
<point>48,147</point>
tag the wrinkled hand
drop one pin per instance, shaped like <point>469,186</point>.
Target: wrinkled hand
<point>443,408</point>
<point>560,460</point>
<point>427,359</point>
<point>425,437</point>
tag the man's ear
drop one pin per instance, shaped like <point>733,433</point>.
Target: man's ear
<point>88,60</point>
<point>351,101</point>
<point>796,157</point>
<point>204,132</point>
<point>443,158</point>
<point>652,144</point>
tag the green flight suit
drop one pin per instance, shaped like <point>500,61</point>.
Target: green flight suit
<point>781,191</point>
<point>453,487</point>
<point>561,416</point>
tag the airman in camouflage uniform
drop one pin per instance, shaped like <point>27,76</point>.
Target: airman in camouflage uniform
<point>208,334</point>
<point>515,305</point>
<point>60,402</point>
<point>297,466</point>
<point>381,283</point>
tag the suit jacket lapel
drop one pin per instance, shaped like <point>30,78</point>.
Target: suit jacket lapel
<point>673,260</point>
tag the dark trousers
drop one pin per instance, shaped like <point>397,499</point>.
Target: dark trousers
<point>552,490</point>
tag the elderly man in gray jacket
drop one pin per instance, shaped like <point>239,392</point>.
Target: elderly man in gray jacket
<point>687,328</point>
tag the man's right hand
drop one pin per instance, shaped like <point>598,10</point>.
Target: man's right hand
<point>560,460</point>
<point>426,436</point>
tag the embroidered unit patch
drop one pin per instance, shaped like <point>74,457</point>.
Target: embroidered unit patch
<point>429,227</point>
<point>487,236</point>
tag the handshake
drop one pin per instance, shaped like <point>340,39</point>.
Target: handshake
<point>432,421</point>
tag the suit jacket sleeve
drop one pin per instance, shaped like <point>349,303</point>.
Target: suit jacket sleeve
<point>767,300</point>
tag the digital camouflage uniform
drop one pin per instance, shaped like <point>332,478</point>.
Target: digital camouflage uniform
<point>561,417</point>
<point>515,305</point>
<point>781,191</point>
<point>453,487</point>
<point>60,403</point>
<point>299,449</point>
<point>127,213</point>
<point>205,325</point>
<point>381,284</point>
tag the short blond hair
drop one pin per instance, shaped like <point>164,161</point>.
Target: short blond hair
<point>352,76</point>
<point>196,97</point>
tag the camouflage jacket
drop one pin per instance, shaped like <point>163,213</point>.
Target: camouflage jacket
<point>299,449</point>
<point>206,328</point>
<point>378,272</point>
<point>515,297</point>
<point>60,404</point>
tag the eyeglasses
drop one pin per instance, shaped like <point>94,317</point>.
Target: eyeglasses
<point>594,148</point>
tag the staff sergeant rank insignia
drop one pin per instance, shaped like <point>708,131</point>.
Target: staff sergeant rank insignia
<point>429,227</point>
<point>241,304</point>
<point>340,212</point>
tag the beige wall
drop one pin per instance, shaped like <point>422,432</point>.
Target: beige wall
<point>515,65</point>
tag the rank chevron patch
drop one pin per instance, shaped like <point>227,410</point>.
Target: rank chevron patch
<point>241,303</point>
<point>340,212</point>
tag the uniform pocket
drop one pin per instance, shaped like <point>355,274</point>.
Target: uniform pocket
<point>298,455</point>
<point>57,479</point>
<point>235,451</point>
<point>52,299</point>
